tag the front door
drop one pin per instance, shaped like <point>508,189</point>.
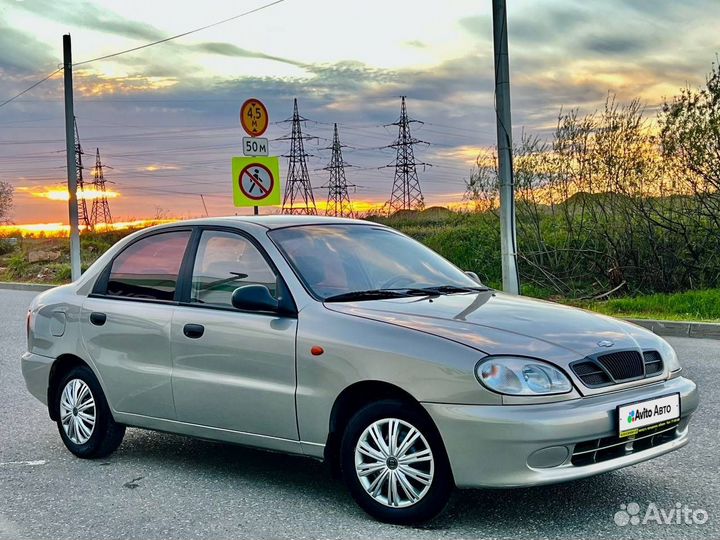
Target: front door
<point>233,369</point>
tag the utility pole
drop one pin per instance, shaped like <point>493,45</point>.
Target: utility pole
<point>406,193</point>
<point>508,240</point>
<point>70,155</point>
<point>298,198</point>
<point>338,199</point>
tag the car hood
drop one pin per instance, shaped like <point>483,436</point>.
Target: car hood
<point>497,323</point>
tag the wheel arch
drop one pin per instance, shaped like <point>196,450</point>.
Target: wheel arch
<point>351,400</point>
<point>61,365</point>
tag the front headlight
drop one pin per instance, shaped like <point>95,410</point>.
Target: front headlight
<point>669,356</point>
<point>521,376</point>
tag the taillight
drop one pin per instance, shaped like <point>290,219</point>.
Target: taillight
<point>28,322</point>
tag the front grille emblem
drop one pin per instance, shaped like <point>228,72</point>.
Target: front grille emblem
<point>605,343</point>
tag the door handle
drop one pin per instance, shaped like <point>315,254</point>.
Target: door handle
<point>97,318</point>
<point>193,331</point>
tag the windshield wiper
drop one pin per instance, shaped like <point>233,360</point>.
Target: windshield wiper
<point>379,294</point>
<point>402,292</point>
<point>450,289</point>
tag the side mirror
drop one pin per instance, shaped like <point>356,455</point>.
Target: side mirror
<point>473,276</point>
<point>254,298</point>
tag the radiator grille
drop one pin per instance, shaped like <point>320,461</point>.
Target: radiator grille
<point>653,363</point>
<point>591,374</point>
<point>617,367</point>
<point>623,365</point>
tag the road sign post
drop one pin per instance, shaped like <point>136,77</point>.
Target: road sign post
<point>254,119</point>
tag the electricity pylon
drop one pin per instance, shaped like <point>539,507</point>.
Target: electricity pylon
<point>406,193</point>
<point>298,198</point>
<point>100,212</point>
<point>338,199</point>
<point>82,203</point>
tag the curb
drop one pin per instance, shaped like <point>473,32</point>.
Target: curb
<point>679,328</point>
<point>37,287</point>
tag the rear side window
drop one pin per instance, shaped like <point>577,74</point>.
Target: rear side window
<point>149,268</point>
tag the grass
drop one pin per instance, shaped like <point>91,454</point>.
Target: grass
<point>703,305</point>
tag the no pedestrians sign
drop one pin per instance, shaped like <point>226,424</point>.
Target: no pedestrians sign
<point>256,181</point>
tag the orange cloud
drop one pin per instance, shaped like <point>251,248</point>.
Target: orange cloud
<point>90,85</point>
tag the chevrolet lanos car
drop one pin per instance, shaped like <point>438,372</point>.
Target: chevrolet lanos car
<point>346,341</point>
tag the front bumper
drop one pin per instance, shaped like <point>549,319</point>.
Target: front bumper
<point>527,445</point>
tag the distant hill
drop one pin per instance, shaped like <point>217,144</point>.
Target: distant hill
<point>437,211</point>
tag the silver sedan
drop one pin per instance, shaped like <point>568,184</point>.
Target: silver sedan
<point>348,342</point>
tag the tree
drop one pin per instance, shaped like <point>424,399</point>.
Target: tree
<point>6,199</point>
<point>690,136</point>
<point>481,189</point>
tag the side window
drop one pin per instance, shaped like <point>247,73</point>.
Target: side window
<point>224,262</point>
<point>149,268</point>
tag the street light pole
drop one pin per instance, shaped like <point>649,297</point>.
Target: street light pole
<point>71,166</point>
<point>508,240</point>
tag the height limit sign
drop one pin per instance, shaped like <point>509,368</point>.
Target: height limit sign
<point>254,119</point>
<point>256,181</point>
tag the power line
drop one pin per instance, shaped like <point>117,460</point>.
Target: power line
<point>30,88</point>
<point>165,40</point>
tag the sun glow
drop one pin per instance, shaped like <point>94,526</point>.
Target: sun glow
<point>84,194</point>
<point>62,230</point>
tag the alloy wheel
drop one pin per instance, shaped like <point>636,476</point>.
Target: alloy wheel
<point>77,411</point>
<point>394,463</point>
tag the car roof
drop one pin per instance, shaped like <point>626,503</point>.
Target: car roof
<point>275,221</point>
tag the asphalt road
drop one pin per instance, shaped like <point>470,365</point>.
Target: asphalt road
<point>164,486</point>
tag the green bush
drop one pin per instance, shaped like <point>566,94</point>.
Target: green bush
<point>62,273</point>
<point>18,265</point>
<point>6,247</point>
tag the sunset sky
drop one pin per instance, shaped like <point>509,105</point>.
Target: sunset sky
<point>166,118</point>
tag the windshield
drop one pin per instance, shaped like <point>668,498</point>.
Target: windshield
<point>335,260</point>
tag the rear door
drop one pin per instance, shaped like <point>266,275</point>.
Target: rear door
<point>126,323</point>
<point>232,369</point>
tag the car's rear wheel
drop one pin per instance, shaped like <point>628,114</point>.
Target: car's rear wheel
<point>84,420</point>
<point>394,463</point>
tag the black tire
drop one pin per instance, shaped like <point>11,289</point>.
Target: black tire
<point>441,486</point>
<point>106,434</point>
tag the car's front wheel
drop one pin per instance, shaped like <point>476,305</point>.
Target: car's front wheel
<point>84,419</point>
<point>394,463</point>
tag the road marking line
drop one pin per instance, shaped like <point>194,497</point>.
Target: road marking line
<point>31,463</point>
